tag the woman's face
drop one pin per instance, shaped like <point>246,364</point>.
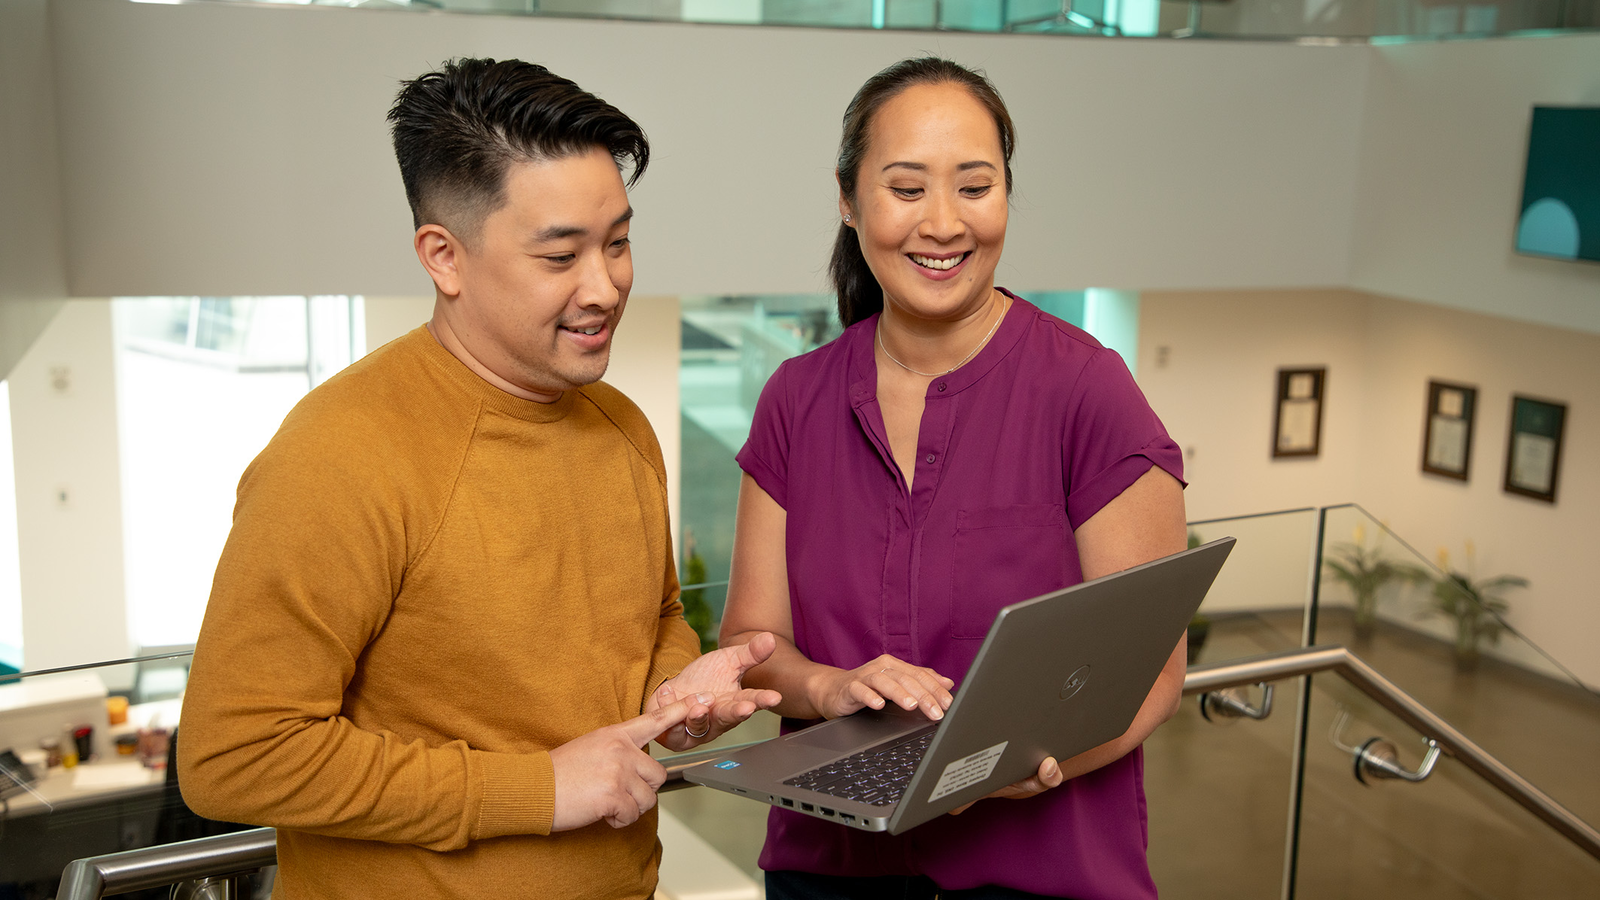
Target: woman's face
<point>930,204</point>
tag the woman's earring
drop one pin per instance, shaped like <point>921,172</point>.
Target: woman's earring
<point>847,218</point>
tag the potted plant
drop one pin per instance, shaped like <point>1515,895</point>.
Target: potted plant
<point>1474,604</point>
<point>696,609</point>
<point>1364,570</point>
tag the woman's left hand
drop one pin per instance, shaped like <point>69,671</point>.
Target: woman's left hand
<point>1048,776</point>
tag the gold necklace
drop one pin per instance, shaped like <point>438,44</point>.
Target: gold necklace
<point>878,332</point>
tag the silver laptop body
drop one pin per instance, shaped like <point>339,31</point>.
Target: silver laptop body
<point>1057,675</point>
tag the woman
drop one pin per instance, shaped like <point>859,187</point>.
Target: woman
<point>954,451</point>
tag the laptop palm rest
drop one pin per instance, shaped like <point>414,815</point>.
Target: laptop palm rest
<point>864,728</point>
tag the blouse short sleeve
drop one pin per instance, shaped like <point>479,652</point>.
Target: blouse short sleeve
<point>1112,437</point>
<point>765,455</point>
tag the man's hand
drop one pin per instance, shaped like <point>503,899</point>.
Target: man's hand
<point>719,675</point>
<point>1048,776</point>
<point>606,774</point>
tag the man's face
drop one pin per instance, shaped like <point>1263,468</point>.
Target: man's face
<point>541,290</point>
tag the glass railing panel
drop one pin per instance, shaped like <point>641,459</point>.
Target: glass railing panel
<point>89,771</point>
<point>1451,836</point>
<point>1257,604</point>
<point>1217,793</point>
<point>1508,695</point>
<point>730,347</point>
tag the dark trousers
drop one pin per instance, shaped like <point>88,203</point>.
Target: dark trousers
<point>805,886</point>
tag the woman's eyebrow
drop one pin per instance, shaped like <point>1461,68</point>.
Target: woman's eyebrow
<point>922,167</point>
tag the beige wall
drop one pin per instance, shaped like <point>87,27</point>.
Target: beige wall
<point>1440,186</point>
<point>33,280</point>
<point>216,148</point>
<point>69,494</point>
<point>1216,397</point>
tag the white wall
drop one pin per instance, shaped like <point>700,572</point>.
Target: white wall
<point>1440,186</point>
<point>1216,394</point>
<point>32,259</point>
<point>69,494</point>
<point>233,149</point>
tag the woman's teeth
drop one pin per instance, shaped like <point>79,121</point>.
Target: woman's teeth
<point>941,264</point>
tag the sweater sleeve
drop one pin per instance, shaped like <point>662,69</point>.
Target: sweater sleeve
<point>317,552</point>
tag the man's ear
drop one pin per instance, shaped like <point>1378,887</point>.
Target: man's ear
<point>440,253</point>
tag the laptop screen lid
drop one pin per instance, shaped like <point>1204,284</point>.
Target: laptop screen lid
<point>1057,675</point>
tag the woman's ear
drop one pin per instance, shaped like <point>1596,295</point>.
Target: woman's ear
<point>845,212</point>
<point>440,254</point>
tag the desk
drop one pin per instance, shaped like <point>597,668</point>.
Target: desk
<point>112,803</point>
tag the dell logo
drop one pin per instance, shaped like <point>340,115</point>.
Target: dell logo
<point>1075,682</point>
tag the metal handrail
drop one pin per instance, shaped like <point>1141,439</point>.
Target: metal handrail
<point>242,851</point>
<point>153,867</point>
<point>1337,659</point>
<point>95,877</point>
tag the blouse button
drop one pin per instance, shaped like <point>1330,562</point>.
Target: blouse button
<point>941,387</point>
<point>929,459</point>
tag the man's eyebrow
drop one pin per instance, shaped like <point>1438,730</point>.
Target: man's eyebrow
<point>557,232</point>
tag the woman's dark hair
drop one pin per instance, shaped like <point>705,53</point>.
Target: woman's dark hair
<point>859,292</point>
<point>457,130</point>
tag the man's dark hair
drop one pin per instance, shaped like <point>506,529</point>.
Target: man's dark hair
<point>457,130</point>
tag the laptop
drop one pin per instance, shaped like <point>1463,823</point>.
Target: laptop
<point>1057,675</point>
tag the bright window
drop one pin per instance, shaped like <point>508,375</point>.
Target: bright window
<point>202,385</point>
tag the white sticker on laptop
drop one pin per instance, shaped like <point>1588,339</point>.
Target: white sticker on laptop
<point>968,771</point>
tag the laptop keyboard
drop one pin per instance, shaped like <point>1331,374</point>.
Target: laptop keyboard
<point>876,776</point>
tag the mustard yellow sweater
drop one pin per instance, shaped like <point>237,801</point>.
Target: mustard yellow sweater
<point>429,584</point>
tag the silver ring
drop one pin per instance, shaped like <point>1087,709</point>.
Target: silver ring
<point>701,734</point>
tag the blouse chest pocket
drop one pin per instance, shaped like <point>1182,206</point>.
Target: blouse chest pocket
<point>1002,555</point>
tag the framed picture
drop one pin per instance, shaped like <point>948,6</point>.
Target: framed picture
<point>1297,422</point>
<point>1447,440</point>
<point>1533,458</point>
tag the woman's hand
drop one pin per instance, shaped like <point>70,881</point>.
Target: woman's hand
<point>1049,776</point>
<point>840,692</point>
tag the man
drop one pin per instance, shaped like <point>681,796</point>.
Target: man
<point>445,620</point>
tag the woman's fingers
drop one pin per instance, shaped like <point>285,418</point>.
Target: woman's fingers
<point>913,687</point>
<point>1048,776</point>
<point>891,680</point>
<point>860,694</point>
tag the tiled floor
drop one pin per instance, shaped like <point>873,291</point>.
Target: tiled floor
<point>1218,793</point>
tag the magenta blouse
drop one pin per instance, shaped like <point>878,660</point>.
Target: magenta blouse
<point>1017,448</point>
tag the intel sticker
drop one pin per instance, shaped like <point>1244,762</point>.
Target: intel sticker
<point>727,764</point>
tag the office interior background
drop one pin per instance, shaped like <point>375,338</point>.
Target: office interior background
<point>200,218</point>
